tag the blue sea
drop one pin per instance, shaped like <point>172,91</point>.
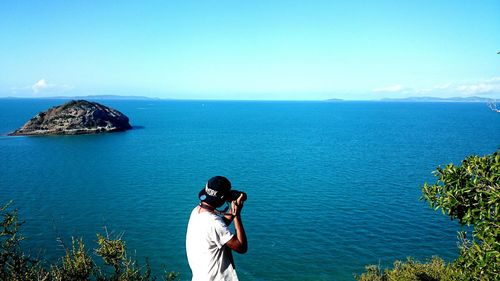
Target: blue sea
<point>332,186</point>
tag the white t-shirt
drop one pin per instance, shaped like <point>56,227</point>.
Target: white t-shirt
<point>207,253</point>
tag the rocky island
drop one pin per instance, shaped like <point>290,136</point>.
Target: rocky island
<point>75,118</point>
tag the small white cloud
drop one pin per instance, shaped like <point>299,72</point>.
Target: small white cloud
<point>42,86</point>
<point>475,89</point>
<point>39,85</point>
<point>486,86</point>
<point>389,89</point>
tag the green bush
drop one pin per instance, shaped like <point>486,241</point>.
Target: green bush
<point>470,193</point>
<point>76,265</point>
<point>410,270</point>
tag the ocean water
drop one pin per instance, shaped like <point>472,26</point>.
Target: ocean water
<point>331,187</point>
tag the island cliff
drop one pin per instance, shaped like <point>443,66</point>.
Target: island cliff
<point>75,118</point>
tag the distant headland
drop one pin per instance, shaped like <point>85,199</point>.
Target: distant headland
<point>75,118</point>
<point>436,99</point>
<point>422,99</point>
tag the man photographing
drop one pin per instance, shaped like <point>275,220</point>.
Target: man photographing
<point>209,241</point>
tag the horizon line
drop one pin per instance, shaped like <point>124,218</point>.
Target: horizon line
<point>385,99</point>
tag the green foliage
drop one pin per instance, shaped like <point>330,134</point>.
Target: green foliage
<point>114,254</point>
<point>434,270</point>
<point>470,193</point>
<point>112,251</point>
<point>171,276</point>
<point>76,265</point>
<point>14,264</point>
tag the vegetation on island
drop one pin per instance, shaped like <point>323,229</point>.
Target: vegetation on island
<point>78,264</point>
<point>470,193</point>
<point>75,117</point>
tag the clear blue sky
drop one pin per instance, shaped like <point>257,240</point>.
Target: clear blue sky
<point>218,49</point>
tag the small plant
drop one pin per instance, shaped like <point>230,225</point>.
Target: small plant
<point>171,276</point>
<point>76,265</point>
<point>14,264</point>
<point>410,270</point>
<point>114,254</point>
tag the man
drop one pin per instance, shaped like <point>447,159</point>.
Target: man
<point>209,241</point>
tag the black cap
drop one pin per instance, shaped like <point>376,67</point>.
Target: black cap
<point>216,191</point>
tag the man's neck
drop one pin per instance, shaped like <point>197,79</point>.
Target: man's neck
<point>204,207</point>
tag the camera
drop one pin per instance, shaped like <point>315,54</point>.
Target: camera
<point>235,194</point>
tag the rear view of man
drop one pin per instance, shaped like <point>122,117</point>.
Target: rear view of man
<point>209,241</point>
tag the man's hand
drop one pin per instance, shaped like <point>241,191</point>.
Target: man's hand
<point>239,241</point>
<point>237,205</point>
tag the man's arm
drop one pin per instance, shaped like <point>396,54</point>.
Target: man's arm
<point>228,219</point>
<point>239,240</point>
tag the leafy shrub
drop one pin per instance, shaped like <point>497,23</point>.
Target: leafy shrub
<point>410,270</point>
<point>14,264</point>
<point>470,193</point>
<point>76,265</point>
